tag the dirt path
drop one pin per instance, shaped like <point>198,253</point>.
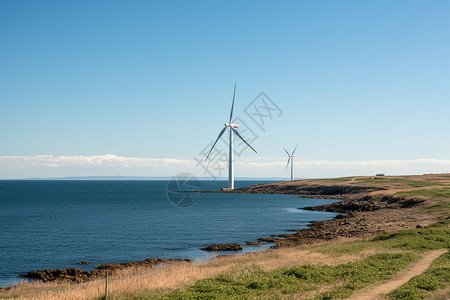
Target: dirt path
<point>376,292</point>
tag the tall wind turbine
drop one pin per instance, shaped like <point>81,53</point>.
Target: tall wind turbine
<point>291,160</point>
<point>232,132</point>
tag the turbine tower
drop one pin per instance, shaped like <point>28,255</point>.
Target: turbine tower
<point>233,131</point>
<point>291,160</point>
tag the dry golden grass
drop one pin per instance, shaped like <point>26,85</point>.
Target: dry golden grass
<point>134,281</point>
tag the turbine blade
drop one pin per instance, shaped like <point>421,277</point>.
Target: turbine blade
<point>237,133</point>
<point>220,134</point>
<point>287,165</point>
<point>294,149</point>
<point>232,105</point>
<point>286,151</point>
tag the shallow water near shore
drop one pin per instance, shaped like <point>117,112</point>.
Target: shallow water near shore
<point>55,224</point>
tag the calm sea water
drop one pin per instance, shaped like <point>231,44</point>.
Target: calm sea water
<point>55,224</point>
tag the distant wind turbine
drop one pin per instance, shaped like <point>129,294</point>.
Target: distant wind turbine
<point>291,160</point>
<point>230,155</point>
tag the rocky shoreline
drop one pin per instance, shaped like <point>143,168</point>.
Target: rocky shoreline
<point>77,275</point>
<point>363,213</point>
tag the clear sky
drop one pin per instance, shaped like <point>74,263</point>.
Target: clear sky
<point>142,87</point>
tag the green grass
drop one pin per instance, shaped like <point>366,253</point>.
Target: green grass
<point>252,282</point>
<point>397,251</point>
<point>443,205</point>
<point>357,275</point>
<point>440,210</point>
<point>434,237</point>
<point>434,193</point>
<point>395,181</point>
<point>426,239</point>
<point>339,179</point>
<point>419,287</point>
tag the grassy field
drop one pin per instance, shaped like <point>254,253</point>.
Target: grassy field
<point>253,282</point>
<point>393,181</point>
<point>327,270</point>
<point>331,270</point>
<point>433,193</point>
<point>436,278</point>
<point>380,258</point>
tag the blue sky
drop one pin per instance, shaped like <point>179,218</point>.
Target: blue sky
<point>357,81</point>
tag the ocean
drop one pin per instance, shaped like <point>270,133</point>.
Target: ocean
<point>55,224</point>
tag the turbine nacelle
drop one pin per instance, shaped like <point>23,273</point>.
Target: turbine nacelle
<point>234,125</point>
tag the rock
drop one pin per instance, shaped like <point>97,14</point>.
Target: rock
<point>5,289</point>
<point>309,189</point>
<point>346,206</point>
<point>223,247</point>
<point>71,274</point>
<point>257,244</point>
<point>82,263</point>
<point>143,263</point>
<point>342,216</point>
<point>268,240</point>
<point>77,275</point>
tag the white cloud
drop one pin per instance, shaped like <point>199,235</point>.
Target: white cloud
<point>82,161</point>
<point>109,164</point>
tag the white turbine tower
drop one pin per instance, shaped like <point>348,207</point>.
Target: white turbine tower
<point>230,155</point>
<point>291,160</point>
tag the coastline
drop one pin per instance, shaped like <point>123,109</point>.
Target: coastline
<point>81,274</point>
<point>365,213</point>
<point>366,210</point>
<point>418,202</point>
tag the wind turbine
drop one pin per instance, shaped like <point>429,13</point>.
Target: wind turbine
<point>291,160</point>
<point>233,131</point>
